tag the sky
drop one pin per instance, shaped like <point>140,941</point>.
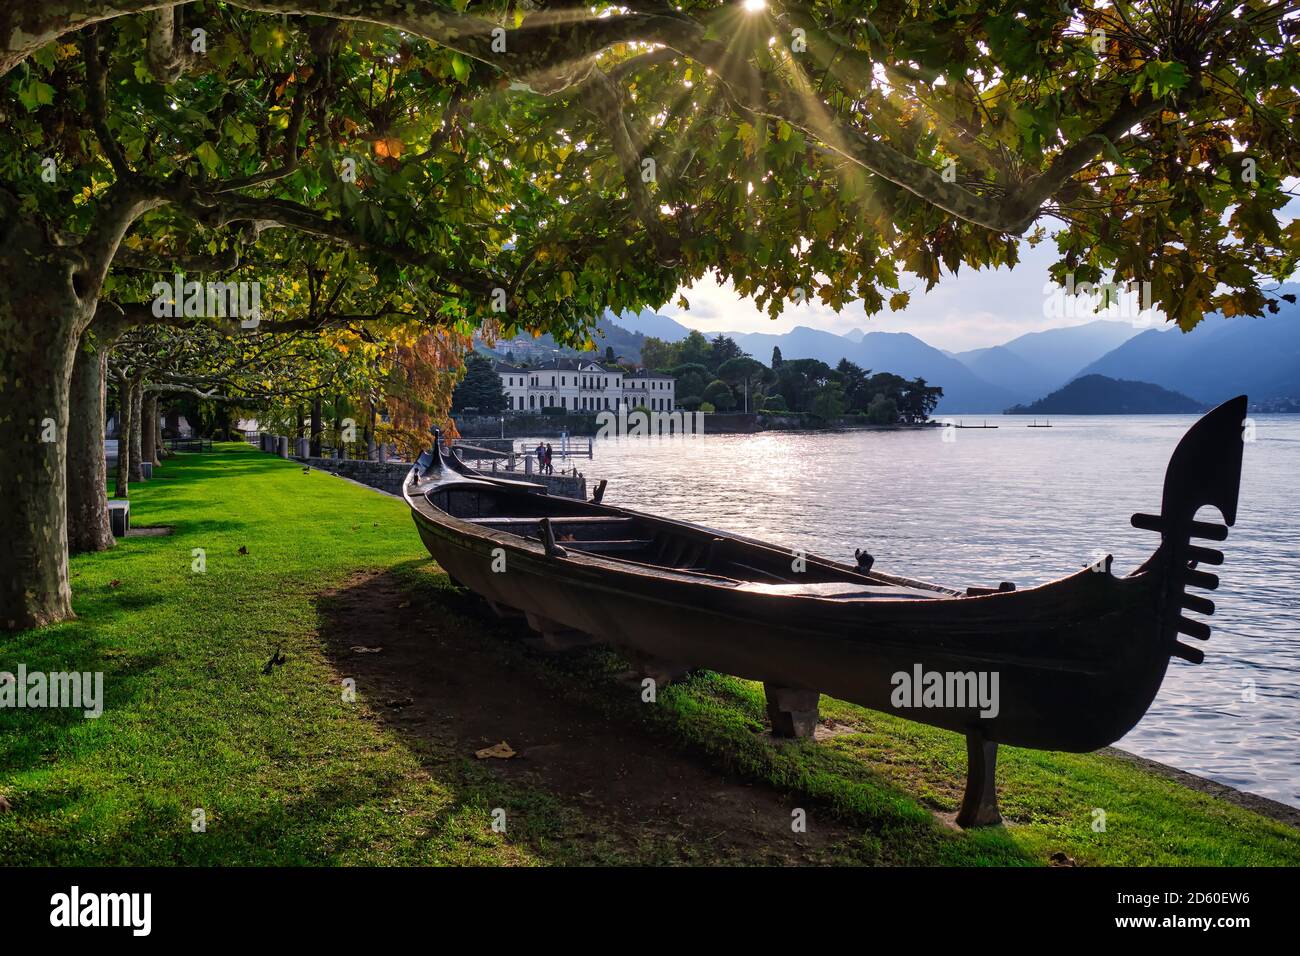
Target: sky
<point>967,311</point>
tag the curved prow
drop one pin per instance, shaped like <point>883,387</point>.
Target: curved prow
<point>1205,469</point>
<point>1206,466</point>
<point>430,462</point>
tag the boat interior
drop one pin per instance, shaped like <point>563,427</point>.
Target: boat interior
<point>662,544</point>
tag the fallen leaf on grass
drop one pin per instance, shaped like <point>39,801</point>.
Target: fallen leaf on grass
<point>115,583</point>
<point>501,751</point>
<point>361,649</point>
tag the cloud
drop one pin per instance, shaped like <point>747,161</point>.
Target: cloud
<point>967,311</point>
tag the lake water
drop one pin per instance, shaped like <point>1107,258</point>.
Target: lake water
<point>1027,505</point>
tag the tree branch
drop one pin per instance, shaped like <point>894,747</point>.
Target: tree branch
<point>165,53</point>
<point>96,101</point>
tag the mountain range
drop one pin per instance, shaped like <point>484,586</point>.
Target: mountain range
<point>1216,360</point>
<point>981,380</point>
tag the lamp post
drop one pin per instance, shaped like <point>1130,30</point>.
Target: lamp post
<point>503,426</point>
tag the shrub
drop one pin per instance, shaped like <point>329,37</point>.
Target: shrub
<point>882,411</point>
<point>719,395</point>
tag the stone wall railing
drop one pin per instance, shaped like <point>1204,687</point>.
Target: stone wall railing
<point>387,476</point>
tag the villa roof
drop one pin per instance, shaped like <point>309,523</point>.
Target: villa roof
<point>558,365</point>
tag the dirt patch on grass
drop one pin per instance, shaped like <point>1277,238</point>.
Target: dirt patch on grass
<point>432,681</point>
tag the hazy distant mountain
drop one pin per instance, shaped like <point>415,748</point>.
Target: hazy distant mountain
<point>855,335</point>
<point>897,352</point>
<point>650,324</point>
<point>1099,395</point>
<point>1038,362</point>
<point>1001,366</point>
<point>1218,359</point>
<point>1063,352</point>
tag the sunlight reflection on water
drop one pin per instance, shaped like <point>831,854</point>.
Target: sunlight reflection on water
<point>1026,505</point>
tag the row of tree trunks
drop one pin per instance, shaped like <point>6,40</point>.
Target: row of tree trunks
<point>122,482</point>
<point>88,523</point>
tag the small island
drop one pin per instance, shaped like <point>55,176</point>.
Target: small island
<point>1100,395</point>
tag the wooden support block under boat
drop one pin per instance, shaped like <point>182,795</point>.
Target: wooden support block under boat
<point>979,805</point>
<point>556,636</point>
<point>792,710</point>
<point>662,672</point>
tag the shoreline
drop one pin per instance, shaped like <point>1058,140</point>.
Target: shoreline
<point>1264,806</point>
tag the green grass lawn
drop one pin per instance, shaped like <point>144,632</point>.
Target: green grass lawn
<point>287,772</point>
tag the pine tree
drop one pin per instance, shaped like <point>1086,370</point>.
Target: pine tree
<point>480,389</point>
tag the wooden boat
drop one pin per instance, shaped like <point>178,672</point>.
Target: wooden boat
<point>1075,663</point>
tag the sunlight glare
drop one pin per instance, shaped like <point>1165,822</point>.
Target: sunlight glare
<point>753,6</point>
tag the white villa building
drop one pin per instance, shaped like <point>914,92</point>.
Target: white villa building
<point>584,386</point>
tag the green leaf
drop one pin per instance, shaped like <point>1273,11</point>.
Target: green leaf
<point>35,94</point>
<point>207,155</point>
<point>460,66</point>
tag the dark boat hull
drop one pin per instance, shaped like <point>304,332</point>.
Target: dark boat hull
<point>1077,646</point>
<point>1077,662</point>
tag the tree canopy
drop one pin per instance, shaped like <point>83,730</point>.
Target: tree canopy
<point>490,165</point>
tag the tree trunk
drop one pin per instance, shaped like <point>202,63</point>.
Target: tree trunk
<point>149,429</point>
<point>137,419</point>
<point>298,427</point>
<point>160,443</point>
<point>40,319</point>
<point>316,414</point>
<point>370,429</point>
<point>123,484</point>
<point>88,523</point>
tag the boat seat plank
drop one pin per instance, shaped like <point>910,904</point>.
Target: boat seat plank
<point>842,591</point>
<point>556,522</point>
<point>623,545</point>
